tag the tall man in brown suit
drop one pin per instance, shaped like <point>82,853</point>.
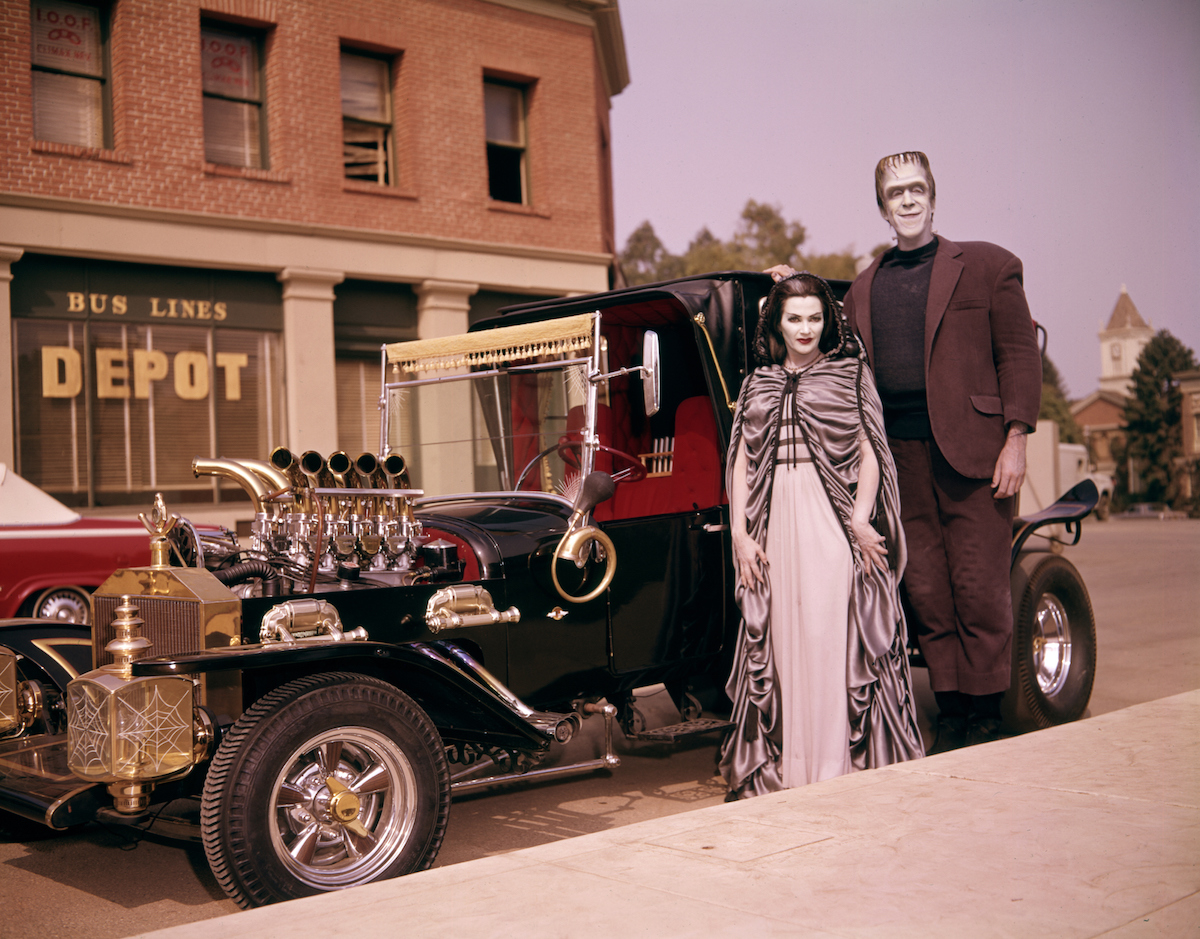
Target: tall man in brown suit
<point>947,330</point>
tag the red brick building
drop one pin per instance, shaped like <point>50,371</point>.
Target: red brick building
<point>1101,417</point>
<point>213,211</point>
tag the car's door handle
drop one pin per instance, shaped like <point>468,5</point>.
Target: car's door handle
<point>709,526</point>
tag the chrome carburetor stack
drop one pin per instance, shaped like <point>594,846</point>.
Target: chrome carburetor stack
<point>334,516</point>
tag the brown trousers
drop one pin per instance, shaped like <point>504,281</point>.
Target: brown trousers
<point>957,580</point>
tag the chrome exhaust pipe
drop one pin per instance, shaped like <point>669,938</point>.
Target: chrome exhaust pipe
<point>256,488</point>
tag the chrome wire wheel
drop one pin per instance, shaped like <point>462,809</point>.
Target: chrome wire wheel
<point>1051,644</point>
<point>343,808</point>
<point>65,604</point>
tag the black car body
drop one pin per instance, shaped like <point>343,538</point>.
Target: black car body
<point>543,529</point>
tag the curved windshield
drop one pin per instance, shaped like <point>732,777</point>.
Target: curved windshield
<point>499,429</point>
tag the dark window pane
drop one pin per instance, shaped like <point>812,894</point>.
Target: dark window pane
<point>365,152</point>
<point>504,174</point>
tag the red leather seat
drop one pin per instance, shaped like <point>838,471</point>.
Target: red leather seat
<point>695,480</point>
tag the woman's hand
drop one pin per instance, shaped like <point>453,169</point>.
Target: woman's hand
<point>779,272</point>
<point>870,542</point>
<point>749,560</point>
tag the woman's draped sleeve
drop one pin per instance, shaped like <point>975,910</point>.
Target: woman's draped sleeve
<point>750,755</point>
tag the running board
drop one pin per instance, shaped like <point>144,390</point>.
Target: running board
<point>608,760</point>
<point>675,732</point>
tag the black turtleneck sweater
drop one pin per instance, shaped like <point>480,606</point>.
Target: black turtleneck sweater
<point>899,294</point>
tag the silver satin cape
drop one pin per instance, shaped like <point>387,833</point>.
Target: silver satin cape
<point>833,401</point>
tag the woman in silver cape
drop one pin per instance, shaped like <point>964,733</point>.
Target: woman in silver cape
<point>831,408</point>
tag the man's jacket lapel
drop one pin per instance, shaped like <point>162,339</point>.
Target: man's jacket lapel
<point>947,268</point>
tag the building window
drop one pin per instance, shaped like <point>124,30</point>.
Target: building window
<point>366,118</point>
<point>504,114</point>
<point>70,90</point>
<point>124,372</point>
<point>233,100</point>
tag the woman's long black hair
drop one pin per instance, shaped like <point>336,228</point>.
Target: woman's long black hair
<point>835,341</point>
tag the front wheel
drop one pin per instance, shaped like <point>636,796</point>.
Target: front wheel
<point>1054,644</point>
<point>330,781</point>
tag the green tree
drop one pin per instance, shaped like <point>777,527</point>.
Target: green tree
<point>764,238</point>
<point>1054,404</point>
<point>840,265</point>
<point>643,256</point>
<point>707,253</point>
<point>1153,419</point>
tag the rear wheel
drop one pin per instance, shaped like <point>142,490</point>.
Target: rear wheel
<point>329,781</point>
<point>1054,644</point>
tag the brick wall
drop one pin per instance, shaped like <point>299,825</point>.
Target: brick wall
<point>442,49</point>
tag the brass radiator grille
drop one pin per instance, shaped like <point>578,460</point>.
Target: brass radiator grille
<point>172,624</point>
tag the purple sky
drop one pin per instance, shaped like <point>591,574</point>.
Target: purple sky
<point>1067,131</point>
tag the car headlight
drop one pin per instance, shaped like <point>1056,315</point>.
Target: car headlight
<point>129,730</point>
<point>10,713</point>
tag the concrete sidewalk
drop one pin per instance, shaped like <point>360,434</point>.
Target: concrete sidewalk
<point>1090,829</point>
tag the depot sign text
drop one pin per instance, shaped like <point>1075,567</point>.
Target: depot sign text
<point>125,374</point>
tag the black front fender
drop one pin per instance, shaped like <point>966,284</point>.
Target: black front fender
<point>62,651</point>
<point>460,698</point>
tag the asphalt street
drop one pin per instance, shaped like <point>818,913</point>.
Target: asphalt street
<point>1141,575</point>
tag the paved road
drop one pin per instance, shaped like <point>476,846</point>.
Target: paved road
<point>1142,579</point>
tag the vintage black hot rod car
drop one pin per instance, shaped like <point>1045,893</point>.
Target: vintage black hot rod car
<point>542,530</point>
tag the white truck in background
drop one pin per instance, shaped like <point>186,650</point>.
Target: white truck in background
<point>1073,468</point>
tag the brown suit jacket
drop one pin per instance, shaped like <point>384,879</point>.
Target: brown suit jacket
<point>983,369</point>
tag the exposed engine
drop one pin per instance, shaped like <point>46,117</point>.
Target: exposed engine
<point>318,521</point>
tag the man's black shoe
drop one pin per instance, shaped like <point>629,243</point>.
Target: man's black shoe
<point>984,730</point>
<point>951,733</point>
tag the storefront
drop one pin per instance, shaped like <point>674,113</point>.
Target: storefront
<point>124,372</point>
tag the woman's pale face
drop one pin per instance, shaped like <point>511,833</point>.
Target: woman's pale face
<point>801,325</point>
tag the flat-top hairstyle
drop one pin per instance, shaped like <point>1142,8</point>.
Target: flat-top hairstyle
<point>769,346</point>
<point>891,162</point>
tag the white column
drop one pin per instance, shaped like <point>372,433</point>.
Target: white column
<point>8,445</point>
<point>442,307</point>
<point>444,411</point>
<point>308,358</point>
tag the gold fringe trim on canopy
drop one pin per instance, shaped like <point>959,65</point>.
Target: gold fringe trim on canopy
<point>491,346</point>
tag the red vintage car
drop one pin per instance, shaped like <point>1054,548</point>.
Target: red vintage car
<point>51,557</point>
